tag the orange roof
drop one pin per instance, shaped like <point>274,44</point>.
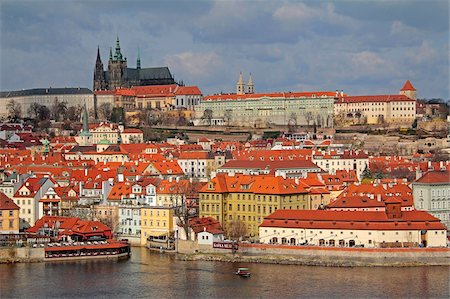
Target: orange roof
<point>354,220</point>
<point>433,177</point>
<point>408,86</point>
<point>188,90</point>
<point>155,90</point>
<point>6,203</point>
<point>258,184</point>
<point>257,96</point>
<point>374,98</point>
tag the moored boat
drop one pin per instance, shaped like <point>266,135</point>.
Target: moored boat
<point>87,250</point>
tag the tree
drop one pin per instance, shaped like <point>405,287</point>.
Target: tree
<point>183,198</point>
<point>33,110</point>
<point>104,111</point>
<point>118,115</point>
<point>58,110</point>
<point>236,230</point>
<point>292,122</point>
<point>207,116</point>
<point>74,113</point>
<point>308,117</point>
<point>14,110</point>
<point>43,113</point>
<point>228,116</point>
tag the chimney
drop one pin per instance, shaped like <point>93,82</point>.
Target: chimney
<point>342,93</point>
<point>337,94</point>
<point>441,165</point>
<point>297,181</point>
<point>378,197</point>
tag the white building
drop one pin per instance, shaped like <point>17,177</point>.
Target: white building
<point>431,193</point>
<point>390,228</point>
<point>46,96</point>
<point>332,161</point>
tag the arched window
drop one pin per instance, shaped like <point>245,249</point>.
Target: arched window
<point>283,240</point>
<point>293,241</point>
<point>274,240</point>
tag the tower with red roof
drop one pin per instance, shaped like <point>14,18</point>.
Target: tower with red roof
<point>409,90</point>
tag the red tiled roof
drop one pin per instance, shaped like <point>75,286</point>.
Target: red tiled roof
<point>6,203</point>
<point>355,220</point>
<point>257,96</point>
<point>188,90</point>
<point>408,86</point>
<point>374,98</point>
<point>435,177</point>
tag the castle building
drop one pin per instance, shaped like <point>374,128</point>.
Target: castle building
<point>247,108</point>
<point>120,75</point>
<point>377,109</point>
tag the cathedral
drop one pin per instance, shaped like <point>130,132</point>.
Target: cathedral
<point>120,75</point>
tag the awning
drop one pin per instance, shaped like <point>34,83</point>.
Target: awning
<point>157,234</point>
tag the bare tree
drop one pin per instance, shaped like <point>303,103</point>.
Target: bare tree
<point>228,116</point>
<point>292,122</point>
<point>207,116</point>
<point>308,117</point>
<point>236,230</point>
<point>104,111</point>
<point>183,197</point>
<point>33,110</point>
<point>58,110</point>
<point>14,110</point>
<point>74,113</point>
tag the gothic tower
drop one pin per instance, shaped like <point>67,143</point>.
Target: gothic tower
<point>117,67</point>
<point>240,86</point>
<point>99,75</point>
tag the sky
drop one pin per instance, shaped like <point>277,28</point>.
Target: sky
<point>361,47</point>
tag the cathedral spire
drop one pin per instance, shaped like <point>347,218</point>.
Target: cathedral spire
<point>110,53</point>
<point>118,54</point>
<point>98,54</point>
<point>138,62</point>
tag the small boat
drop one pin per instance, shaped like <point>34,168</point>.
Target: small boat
<point>243,272</point>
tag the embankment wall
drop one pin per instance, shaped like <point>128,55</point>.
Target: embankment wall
<point>321,256</point>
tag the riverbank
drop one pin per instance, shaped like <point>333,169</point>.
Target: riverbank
<point>319,256</point>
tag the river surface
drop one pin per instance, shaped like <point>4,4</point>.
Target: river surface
<point>155,275</point>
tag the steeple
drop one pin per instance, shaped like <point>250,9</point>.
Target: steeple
<point>240,86</point>
<point>85,121</point>
<point>138,62</point>
<point>118,54</point>
<point>99,60</point>
<point>250,86</point>
<point>110,53</point>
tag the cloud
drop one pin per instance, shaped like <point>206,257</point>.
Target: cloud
<point>425,54</point>
<point>195,65</point>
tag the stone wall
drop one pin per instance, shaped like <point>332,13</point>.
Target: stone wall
<point>21,254</point>
<point>320,256</point>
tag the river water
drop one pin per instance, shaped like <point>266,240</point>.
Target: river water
<point>155,275</point>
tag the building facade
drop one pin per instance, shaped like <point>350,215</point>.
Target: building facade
<point>76,97</point>
<point>265,109</point>
<point>9,215</point>
<point>379,109</point>
<point>431,193</point>
<point>390,228</point>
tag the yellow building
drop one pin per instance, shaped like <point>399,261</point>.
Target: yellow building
<point>249,199</point>
<point>9,215</point>
<point>157,225</point>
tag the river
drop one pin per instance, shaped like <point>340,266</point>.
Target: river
<point>155,275</point>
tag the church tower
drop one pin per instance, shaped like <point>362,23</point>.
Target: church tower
<point>250,86</point>
<point>240,86</point>
<point>85,137</point>
<point>117,67</point>
<point>99,75</point>
<point>409,90</point>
